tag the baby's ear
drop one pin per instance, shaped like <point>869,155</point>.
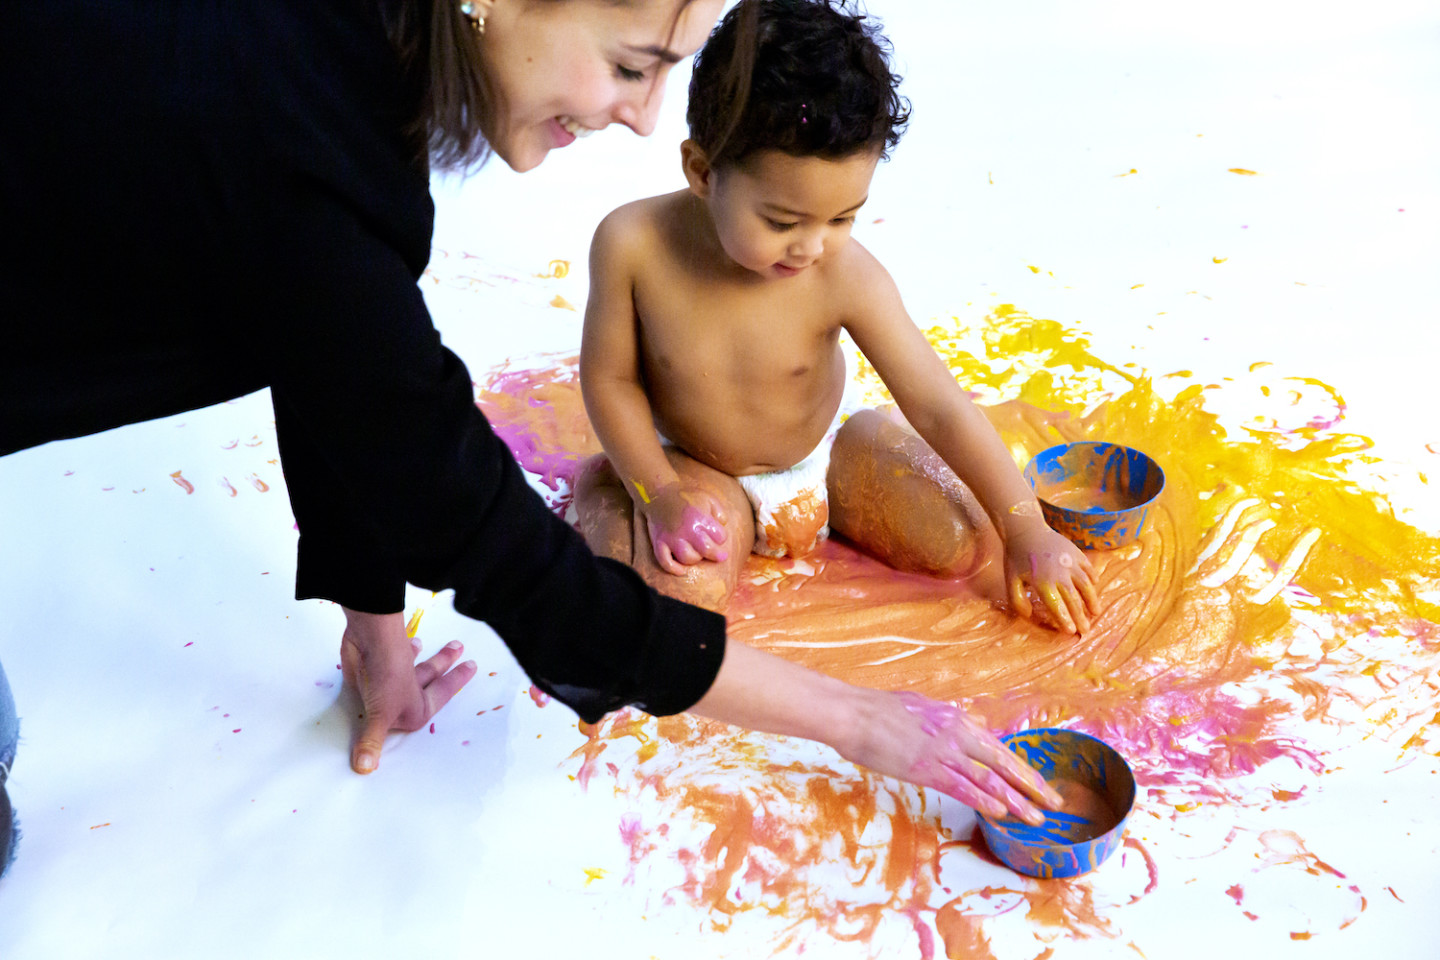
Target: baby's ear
<point>696,164</point>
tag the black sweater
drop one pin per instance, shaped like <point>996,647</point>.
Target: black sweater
<point>201,198</point>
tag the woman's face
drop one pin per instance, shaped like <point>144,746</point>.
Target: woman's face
<point>561,69</point>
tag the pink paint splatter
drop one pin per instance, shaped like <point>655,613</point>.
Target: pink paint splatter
<point>182,483</point>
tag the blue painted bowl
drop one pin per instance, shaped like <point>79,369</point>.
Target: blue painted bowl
<point>1098,495</point>
<point>1099,792</point>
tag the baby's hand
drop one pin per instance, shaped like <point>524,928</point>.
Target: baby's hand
<point>1059,573</point>
<point>685,527</point>
<point>935,744</point>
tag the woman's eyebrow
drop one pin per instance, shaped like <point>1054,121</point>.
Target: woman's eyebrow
<point>654,50</point>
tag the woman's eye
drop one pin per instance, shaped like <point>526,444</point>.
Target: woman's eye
<point>627,74</point>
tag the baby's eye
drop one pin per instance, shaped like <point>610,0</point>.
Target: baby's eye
<point>778,225</point>
<point>842,221</point>
<point>626,73</point>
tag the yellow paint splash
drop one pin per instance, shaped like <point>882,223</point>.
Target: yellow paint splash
<point>1242,171</point>
<point>560,303</point>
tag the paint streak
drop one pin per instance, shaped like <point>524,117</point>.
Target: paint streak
<point>1242,171</point>
<point>1236,893</point>
<point>259,484</point>
<point>412,626</point>
<point>1271,577</point>
<point>182,483</point>
<point>560,303</point>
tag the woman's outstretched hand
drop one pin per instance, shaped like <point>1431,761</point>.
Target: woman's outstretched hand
<point>1057,570</point>
<point>685,527</point>
<point>377,659</point>
<point>935,744</point>
<point>902,735</point>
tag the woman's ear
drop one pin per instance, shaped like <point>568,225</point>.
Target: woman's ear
<point>696,165</point>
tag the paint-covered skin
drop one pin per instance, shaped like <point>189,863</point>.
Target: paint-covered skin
<point>607,519</point>
<point>685,526</point>
<point>892,495</point>
<point>964,760</point>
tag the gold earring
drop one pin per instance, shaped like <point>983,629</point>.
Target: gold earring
<point>477,20</point>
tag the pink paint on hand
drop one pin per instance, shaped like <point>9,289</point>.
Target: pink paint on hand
<point>695,528</point>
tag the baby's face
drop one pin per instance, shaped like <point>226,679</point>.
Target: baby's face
<point>778,215</point>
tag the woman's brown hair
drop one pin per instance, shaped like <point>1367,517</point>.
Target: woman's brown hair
<point>440,54</point>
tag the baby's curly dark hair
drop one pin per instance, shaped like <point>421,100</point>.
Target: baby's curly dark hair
<point>806,77</point>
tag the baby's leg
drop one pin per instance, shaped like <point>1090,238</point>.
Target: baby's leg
<point>612,528</point>
<point>893,495</point>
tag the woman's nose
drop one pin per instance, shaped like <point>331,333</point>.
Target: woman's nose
<point>640,111</point>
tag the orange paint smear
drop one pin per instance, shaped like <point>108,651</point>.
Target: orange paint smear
<point>182,483</point>
<point>1270,579</point>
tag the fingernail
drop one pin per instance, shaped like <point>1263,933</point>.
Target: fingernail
<point>365,763</point>
<point>453,645</point>
<point>1034,817</point>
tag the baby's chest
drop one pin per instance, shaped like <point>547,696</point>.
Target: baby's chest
<point>739,338</point>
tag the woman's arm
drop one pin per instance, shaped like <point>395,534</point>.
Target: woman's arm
<point>903,735</point>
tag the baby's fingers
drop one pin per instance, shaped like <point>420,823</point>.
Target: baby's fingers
<point>1086,583</point>
<point>1075,606</point>
<point>1056,604</point>
<point>667,560</point>
<point>1019,600</point>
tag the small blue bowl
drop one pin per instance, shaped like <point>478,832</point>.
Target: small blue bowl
<point>1098,495</point>
<point>1099,792</point>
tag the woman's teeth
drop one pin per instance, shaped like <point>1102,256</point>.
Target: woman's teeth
<point>574,128</point>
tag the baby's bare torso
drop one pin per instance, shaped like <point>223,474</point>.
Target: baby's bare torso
<point>743,373</point>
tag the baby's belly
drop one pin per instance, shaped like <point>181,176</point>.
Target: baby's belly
<point>744,439</point>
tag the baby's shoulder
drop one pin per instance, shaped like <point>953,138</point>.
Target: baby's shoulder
<point>636,227</point>
<point>856,274</point>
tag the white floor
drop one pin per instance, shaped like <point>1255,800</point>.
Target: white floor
<point>182,776</point>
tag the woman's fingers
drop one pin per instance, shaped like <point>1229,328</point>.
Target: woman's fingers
<point>428,670</point>
<point>440,690</point>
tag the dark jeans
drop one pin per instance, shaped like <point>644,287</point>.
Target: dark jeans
<point>9,738</point>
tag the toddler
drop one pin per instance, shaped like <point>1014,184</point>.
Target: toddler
<point>711,362</point>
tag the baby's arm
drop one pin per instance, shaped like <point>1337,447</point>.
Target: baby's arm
<point>685,526</point>
<point>943,414</point>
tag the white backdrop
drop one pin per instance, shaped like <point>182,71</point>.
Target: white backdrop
<point>182,777</point>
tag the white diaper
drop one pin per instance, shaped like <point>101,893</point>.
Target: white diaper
<point>792,509</point>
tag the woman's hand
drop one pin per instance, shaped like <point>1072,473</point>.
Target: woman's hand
<point>935,744</point>
<point>685,527</point>
<point>377,659</point>
<point>1057,570</point>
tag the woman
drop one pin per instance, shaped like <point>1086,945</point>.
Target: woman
<point>206,198</point>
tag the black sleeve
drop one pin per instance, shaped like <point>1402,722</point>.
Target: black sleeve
<point>384,448</point>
